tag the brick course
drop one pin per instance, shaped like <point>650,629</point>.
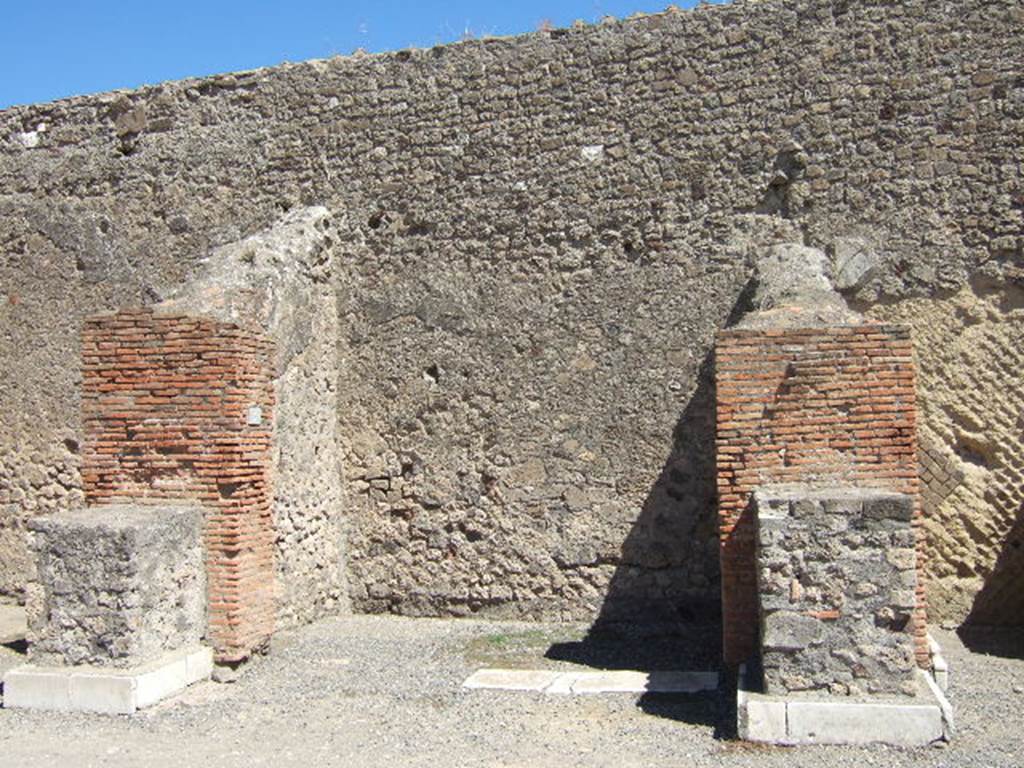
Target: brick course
<point>164,409</point>
<point>800,405</point>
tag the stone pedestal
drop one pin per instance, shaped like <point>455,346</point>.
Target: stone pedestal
<point>116,586</point>
<point>836,580</point>
<point>116,611</point>
<point>836,584</point>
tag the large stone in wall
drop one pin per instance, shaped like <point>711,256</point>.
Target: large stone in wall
<point>836,584</point>
<point>116,585</point>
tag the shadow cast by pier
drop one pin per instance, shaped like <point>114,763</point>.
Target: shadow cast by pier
<point>661,610</point>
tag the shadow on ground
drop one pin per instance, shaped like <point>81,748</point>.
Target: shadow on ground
<point>1006,642</point>
<point>652,647</point>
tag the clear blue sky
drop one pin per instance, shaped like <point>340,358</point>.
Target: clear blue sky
<point>49,50</point>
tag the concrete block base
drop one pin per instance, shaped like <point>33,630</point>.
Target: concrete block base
<point>793,720</point>
<point>104,690</point>
<point>147,564</point>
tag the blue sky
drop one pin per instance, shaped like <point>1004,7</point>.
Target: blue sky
<point>49,50</point>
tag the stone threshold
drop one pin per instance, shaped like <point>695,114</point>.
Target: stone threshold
<point>106,690</point>
<point>807,719</point>
<point>570,683</point>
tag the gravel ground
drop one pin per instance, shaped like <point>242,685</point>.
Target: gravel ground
<point>385,691</point>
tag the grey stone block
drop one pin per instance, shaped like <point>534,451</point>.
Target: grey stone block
<point>788,631</point>
<point>806,507</point>
<point>836,579</point>
<point>847,505</point>
<point>116,585</point>
<point>889,507</point>
<point>856,262</point>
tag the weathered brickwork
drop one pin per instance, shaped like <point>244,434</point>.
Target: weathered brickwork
<point>166,404</point>
<point>807,405</point>
<point>536,242</point>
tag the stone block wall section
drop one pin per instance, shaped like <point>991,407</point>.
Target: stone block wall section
<point>165,406</point>
<point>145,561</point>
<point>801,405</point>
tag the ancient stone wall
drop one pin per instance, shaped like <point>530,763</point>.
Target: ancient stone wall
<point>537,240</point>
<point>178,408</point>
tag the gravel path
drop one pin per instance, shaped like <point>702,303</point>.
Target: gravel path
<point>385,691</point>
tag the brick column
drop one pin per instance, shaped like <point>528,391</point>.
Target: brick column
<point>807,405</point>
<point>169,413</point>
